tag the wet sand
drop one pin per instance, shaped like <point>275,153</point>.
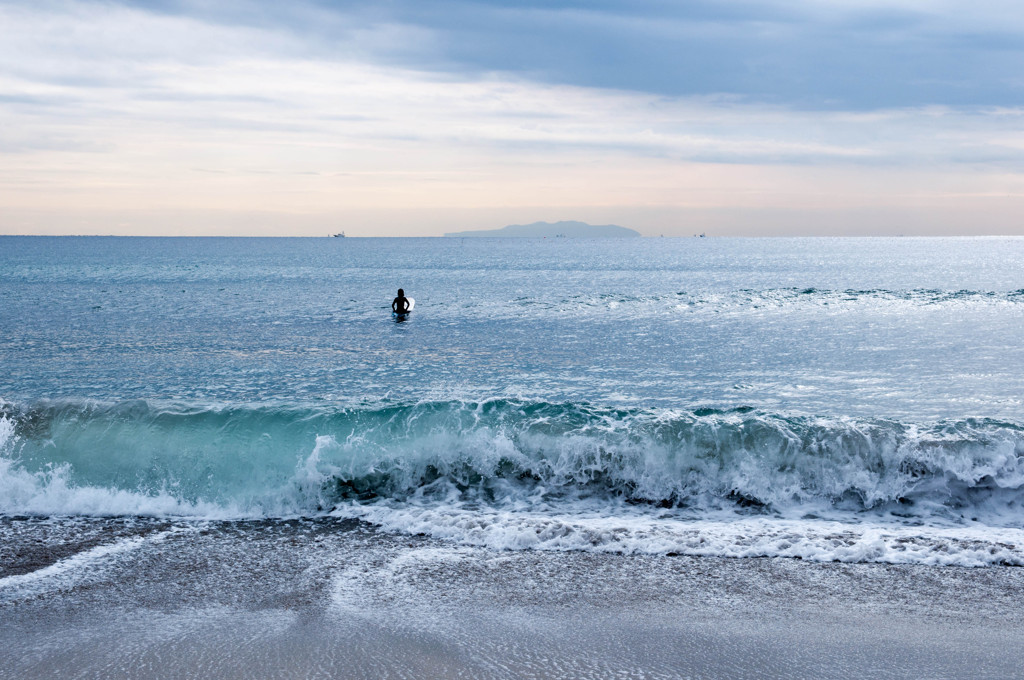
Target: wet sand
<point>329,598</point>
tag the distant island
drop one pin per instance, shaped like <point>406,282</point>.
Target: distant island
<point>566,229</point>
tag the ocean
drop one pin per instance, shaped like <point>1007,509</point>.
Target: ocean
<point>589,403</point>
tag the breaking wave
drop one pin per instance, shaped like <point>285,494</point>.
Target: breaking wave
<point>533,474</point>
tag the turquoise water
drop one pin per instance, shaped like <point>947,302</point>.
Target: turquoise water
<point>626,395</point>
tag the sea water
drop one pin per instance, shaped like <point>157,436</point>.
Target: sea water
<point>855,400</point>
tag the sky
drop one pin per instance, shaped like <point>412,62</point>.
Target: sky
<point>416,118</point>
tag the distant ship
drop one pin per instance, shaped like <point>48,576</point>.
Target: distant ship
<point>341,235</point>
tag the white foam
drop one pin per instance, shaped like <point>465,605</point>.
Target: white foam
<point>71,571</point>
<point>50,492</point>
<point>638,532</point>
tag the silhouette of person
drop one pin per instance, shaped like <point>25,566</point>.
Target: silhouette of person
<point>400,305</point>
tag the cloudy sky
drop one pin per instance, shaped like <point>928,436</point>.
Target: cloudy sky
<point>410,117</point>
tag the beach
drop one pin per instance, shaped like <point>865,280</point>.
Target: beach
<point>339,598</point>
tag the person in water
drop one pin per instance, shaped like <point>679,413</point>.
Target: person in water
<point>400,305</point>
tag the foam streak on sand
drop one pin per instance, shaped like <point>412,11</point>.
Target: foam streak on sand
<point>621,533</point>
<point>72,571</point>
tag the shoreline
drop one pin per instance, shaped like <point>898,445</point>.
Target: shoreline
<point>330,598</point>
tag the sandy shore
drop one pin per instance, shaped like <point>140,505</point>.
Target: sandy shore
<point>115,598</point>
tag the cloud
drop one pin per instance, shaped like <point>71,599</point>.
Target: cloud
<point>318,107</point>
<point>831,54</point>
<point>105,70</point>
<point>807,53</point>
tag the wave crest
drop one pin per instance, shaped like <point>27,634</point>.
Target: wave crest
<point>271,460</point>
